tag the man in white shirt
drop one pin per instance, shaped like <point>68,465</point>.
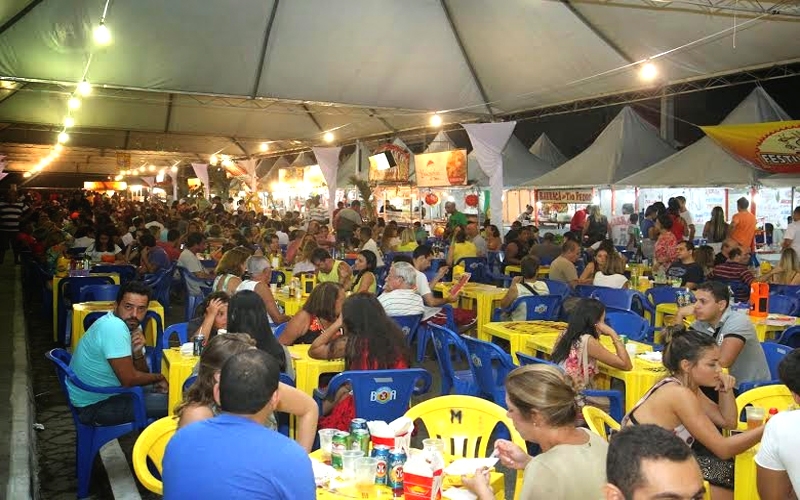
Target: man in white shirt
<point>367,243</point>
<point>475,235</point>
<point>791,238</point>
<point>400,297</point>
<point>777,460</point>
<point>687,218</point>
<point>195,243</point>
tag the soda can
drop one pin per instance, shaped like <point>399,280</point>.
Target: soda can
<point>623,339</point>
<point>381,452</point>
<point>394,467</point>
<point>358,423</point>
<point>339,444</point>
<point>197,347</point>
<point>360,440</point>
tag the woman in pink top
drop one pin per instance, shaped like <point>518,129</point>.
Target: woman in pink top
<point>666,250</point>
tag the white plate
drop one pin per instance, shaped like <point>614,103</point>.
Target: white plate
<point>467,466</point>
<point>653,356</point>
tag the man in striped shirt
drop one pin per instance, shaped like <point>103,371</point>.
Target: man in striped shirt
<point>10,213</point>
<point>399,297</point>
<point>735,272</point>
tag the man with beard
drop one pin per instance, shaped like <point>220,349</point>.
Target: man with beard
<point>111,354</point>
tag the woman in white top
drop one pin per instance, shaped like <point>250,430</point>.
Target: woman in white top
<point>230,269</point>
<point>524,286</point>
<point>103,246</point>
<point>303,260</point>
<point>541,404</point>
<point>260,272</point>
<point>614,274</point>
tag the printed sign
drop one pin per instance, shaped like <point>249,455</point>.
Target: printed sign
<point>773,147</point>
<point>442,169</point>
<point>399,173</point>
<point>564,195</point>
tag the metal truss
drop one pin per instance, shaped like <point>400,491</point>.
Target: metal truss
<point>784,8</point>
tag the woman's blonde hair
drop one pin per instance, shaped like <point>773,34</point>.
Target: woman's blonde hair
<point>216,353</point>
<point>789,265</point>
<point>615,264</point>
<point>545,390</point>
<point>407,237</point>
<point>232,261</point>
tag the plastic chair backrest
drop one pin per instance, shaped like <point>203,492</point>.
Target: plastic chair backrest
<point>408,324</point>
<point>470,263</point>
<point>558,288</point>
<point>774,353</point>
<point>126,272</point>
<point>177,329</point>
<point>465,423</point>
<point>450,350</point>
<point>192,301</point>
<point>490,366</point>
<point>539,307</point>
<point>90,318</point>
<point>151,444</point>
<point>278,330</point>
<point>527,359</point>
<point>783,304</point>
<point>768,396</point>
<point>599,421</point>
<point>277,278</point>
<point>661,295</point>
<point>188,383</point>
<point>383,394</point>
<point>790,337</point>
<point>92,293</point>
<point>628,323</point>
<point>790,290</point>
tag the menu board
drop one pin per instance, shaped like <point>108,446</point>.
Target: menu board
<point>443,169</point>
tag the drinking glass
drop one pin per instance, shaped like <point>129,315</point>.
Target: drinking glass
<point>349,458</point>
<point>325,443</point>
<point>755,416</point>
<point>365,470</point>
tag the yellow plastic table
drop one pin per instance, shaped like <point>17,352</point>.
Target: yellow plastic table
<point>517,332</point>
<point>176,368</point>
<point>308,370</point>
<point>56,279</point>
<point>484,298</point>
<point>544,271</point>
<point>291,305</point>
<point>766,328</point>
<point>79,312</point>
<point>637,381</point>
<point>345,489</point>
<point>744,480</point>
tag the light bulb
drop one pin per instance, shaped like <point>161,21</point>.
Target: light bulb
<point>151,168</point>
<point>142,169</point>
<point>38,167</point>
<point>328,137</point>
<point>63,137</point>
<point>214,159</point>
<point>648,71</point>
<point>84,88</point>
<point>436,120</point>
<point>264,146</point>
<point>74,103</point>
<point>57,148</point>
<point>102,35</point>
<point>174,169</point>
<point>69,122</point>
<point>26,175</point>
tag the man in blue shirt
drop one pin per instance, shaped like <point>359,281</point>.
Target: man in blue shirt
<point>249,460</point>
<point>111,354</point>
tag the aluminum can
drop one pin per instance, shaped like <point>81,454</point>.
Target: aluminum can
<point>358,423</point>
<point>381,452</point>
<point>360,440</point>
<point>394,468</point>
<point>339,444</point>
<point>623,339</point>
<point>197,348</point>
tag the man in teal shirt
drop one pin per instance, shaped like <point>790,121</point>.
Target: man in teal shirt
<point>111,354</point>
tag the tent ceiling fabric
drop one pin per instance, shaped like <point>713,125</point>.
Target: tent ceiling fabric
<point>519,166</point>
<point>719,168</point>
<point>187,77</point>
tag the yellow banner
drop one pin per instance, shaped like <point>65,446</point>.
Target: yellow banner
<point>773,147</point>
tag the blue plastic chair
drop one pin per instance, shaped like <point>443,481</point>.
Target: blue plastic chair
<point>558,288</point>
<point>629,323</point>
<point>68,292</point>
<point>626,300</point>
<point>277,278</point>
<point>179,330</point>
<point>380,394</point>
<point>409,324</point>
<point>188,383</point>
<point>490,366</point>
<point>451,349</point>
<point>281,417</point>
<point>278,330</point>
<point>90,318</point>
<point>98,293</point>
<point>662,295</point>
<point>192,301</point>
<point>537,307</point>
<point>527,359</point>
<point>790,290</point>
<point>430,273</point>
<point>91,438</point>
<point>423,335</point>
<point>775,353</point>
<point>126,272</point>
<point>381,272</point>
<point>784,304</point>
<point>790,337</point>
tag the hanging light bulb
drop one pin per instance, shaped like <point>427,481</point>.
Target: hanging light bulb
<point>74,103</point>
<point>648,71</point>
<point>328,137</point>
<point>142,168</point>
<point>69,122</point>
<point>118,178</point>
<point>174,169</point>
<point>436,120</point>
<point>102,35</point>
<point>214,159</point>
<point>57,148</point>
<point>264,147</point>
<point>84,88</point>
<point>151,168</point>
<point>63,137</point>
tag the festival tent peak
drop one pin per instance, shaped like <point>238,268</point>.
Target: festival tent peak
<point>440,143</point>
<point>548,152</point>
<point>350,167</point>
<point>628,144</point>
<point>519,166</point>
<point>704,163</point>
<point>304,159</point>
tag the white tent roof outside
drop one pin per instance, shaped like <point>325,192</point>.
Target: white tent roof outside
<point>544,149</point>
<point>348,168</point>
<point>196,77</point>
<point>440,143</point>
<point>519,166</point>
<point>704,163</point>
<point>627,145</point>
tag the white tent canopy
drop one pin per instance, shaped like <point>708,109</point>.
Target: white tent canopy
<point>704,163</point>
<point>544,149</point>
<point>440,143</point>
<point>519,166</point>
<point>349,167</point>
<point>780,180</point>
<point>627,145</point>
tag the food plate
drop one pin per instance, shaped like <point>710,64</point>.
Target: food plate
<point>780,320</point>
<point>652,356</point>
<point>467,466</point>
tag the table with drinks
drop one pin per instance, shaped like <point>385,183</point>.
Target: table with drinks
<point>645,373</point>
<point>518,332</point>
<point>369,467</point>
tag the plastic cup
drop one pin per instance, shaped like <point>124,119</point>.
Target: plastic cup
<point>435,443</point>
<point>349,458</point>
<point>365,471</point>
<point>325,443</point>
<point>631,348</point>
<point>273,287</point>
<point>755,416</point>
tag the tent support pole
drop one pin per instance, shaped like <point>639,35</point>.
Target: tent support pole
<point>19,15</point>
<point>726,203</point>
<point>263,55</point>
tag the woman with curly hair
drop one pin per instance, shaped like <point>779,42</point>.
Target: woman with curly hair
<point>367,339</point>
<point>199,404</point>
